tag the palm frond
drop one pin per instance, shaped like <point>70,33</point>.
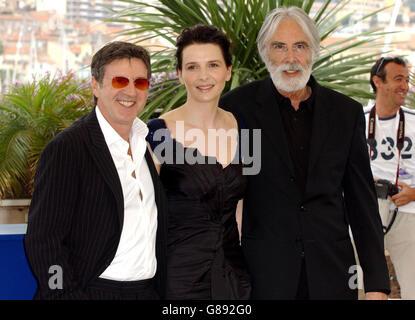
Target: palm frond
<point>241,21</point>
<point>31,115</point>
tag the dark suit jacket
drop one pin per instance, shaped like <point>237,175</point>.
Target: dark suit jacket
<point>281,224</point>
<point>77,211</point>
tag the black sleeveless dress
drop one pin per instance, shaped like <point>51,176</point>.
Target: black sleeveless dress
<point>204,258</point>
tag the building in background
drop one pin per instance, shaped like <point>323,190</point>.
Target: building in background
<point>397,16</point>
<point>78,10</point>
<point>50,36</point>
<point>58,7</point>
<point>41,36</point>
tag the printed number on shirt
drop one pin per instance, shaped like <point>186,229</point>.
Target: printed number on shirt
<point>387,149</point>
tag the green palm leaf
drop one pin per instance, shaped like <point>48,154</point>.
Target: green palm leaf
<point>30,116</point>
<point>339,66</point>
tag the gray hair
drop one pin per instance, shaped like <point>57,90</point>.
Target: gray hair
<point>273,20</point>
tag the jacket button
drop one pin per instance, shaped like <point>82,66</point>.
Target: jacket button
<point>302,208</point>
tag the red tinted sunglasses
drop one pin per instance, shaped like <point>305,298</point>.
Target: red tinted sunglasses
<point>122,82</point>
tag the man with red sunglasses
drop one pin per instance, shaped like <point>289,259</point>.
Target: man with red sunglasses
<point>96,226</point>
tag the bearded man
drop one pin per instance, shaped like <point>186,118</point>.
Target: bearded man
<point>315,179</point>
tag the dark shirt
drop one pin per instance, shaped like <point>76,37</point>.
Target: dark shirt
<point>297,127</point>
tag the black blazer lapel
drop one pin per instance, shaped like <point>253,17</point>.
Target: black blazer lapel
<point>102,157</point>
<point>269,116</point>
<point>154,176</point>
<point>161,237</point>
<point>320,128</point>
<point>159,197</point>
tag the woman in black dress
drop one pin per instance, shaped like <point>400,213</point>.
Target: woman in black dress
<point>197,147</point>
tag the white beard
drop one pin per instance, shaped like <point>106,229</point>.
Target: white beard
<point>289,84</point>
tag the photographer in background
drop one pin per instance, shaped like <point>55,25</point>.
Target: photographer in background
<point>391,139</point>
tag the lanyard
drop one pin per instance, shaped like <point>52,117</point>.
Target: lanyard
<point>400,135</point>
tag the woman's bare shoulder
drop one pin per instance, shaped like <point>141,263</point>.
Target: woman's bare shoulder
<point>172,115</point>
<point>229,119</point>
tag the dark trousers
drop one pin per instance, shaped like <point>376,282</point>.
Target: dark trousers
<point>104,289</point>
<point>302,289</point>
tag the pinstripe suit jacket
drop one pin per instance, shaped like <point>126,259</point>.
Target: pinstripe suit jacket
<point>77,210</point>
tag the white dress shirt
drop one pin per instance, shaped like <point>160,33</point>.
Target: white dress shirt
<point>135,258</point>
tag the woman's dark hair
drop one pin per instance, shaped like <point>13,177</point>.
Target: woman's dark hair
<point>201,34</point>
<point>378,69</point>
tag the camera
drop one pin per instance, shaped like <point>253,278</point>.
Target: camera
<point>385,188</point>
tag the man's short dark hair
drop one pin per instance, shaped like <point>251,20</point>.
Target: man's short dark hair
<point>378,69</point>
<point>203,34</point>
<point>114,51</point>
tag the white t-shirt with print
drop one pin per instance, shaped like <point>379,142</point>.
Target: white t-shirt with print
<point>384,160</point>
